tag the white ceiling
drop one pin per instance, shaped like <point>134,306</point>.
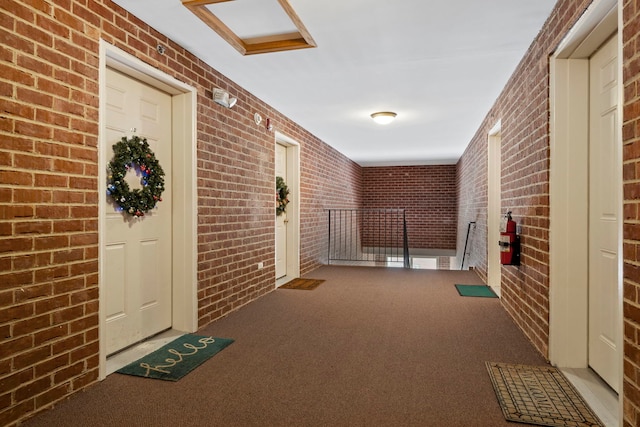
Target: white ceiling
<point>439,65</point>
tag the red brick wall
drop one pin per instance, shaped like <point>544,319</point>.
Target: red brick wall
<point>330,181</point>
<point>49,202</point>
<point>428,193</point>
<point>631,191</point>
<point>48,191</point>
<point>471,188</point>
<point>523,108</point>
<point>525,191</point>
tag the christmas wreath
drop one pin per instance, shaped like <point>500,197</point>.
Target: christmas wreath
<point>135,154</point>
<point>282,191</point>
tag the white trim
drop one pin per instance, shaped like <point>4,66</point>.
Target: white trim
<point>494,206</point>
<point>185,213</point>
<point>621,99</point>
<point>568,198</point>
<point>496,129</point>
<point>184,258</point>
<point>293,208</point>
<point>595,26</point>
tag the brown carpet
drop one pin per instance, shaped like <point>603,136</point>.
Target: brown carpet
<point>539,395</point>
<point>305,284</point>
<point>370,347</point>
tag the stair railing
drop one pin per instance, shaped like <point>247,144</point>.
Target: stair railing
<point>368,237</point>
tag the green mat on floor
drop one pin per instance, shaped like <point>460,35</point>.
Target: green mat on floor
<point>178,358</point>
<point>476,291</point>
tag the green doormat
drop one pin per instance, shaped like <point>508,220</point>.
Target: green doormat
<point>476,291</point>
<point>305,284</point>
<point>176,359</point>
<point>539,395</point>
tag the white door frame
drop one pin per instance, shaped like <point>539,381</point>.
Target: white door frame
<point>293,208</point>
<point>184,207</point>
<point>568,230</point>
<point>494,200</point>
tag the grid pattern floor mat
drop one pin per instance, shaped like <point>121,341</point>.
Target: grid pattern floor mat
<point>539,395</point>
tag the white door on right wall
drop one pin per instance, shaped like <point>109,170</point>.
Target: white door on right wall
<point>604,316</point>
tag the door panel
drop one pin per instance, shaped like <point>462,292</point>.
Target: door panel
<point>281,221</point>
<point>604,356</point>
<point>137,264</point>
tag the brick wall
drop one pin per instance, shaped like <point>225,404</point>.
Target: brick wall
<point>523,108</point>
<point>631,192</point>
<point>48,191</point>
<point>428,193</point>
<point>49,202</point>
<point>525,191</point>
<point>471,188</point>
<point>330,181</point>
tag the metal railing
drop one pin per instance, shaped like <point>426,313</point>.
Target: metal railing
<point>368,236</point>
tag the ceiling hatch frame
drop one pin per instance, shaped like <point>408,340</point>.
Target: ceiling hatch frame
<point>300,39</point>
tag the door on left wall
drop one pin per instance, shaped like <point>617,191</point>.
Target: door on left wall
<point>281,220</point>
<point>137,251</point>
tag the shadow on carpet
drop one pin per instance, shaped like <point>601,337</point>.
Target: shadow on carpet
<point>304,284</point>
<point>176,359</point>
<point>539,395</point>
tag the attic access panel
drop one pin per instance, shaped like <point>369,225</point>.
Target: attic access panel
<point>277,42</point>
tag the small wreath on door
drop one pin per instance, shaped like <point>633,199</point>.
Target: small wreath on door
<point>135,154</point>
<point>282,193</point>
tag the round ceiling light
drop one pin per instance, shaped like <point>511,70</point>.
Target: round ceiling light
<point>383,117</point>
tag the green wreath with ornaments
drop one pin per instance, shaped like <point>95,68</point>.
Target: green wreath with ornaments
<point>134,154</point>
<point>282,193</point>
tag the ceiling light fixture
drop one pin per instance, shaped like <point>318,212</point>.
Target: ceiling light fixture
<point>383,117</point>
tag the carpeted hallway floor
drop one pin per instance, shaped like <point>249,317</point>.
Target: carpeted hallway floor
<point>368,347</point>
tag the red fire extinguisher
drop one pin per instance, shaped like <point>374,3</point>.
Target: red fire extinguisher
<point>509,241</point>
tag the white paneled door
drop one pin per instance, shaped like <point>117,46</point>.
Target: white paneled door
<point>137,261</point>
<point>604,316</point>
<point>281,220</point>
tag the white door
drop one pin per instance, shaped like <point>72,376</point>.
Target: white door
<point>137,264</point>
<point>604,318</point>
<point>494,214</point>
<point>281,220</point>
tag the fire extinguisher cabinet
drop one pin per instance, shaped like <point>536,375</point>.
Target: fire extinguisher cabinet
<point>509,241</point>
